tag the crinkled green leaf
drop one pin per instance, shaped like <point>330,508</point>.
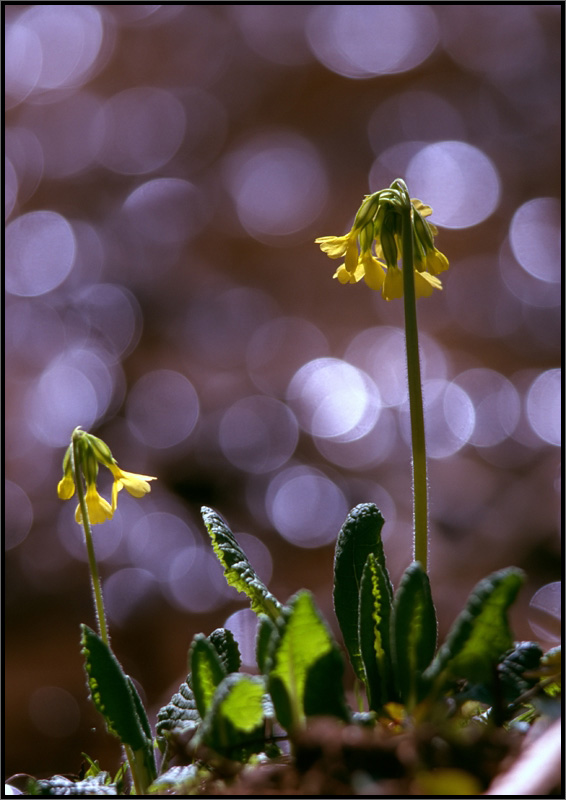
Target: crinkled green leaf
<point>180,714</point>
<point>414,632</point>
<point>480,635</point>
<point>304,640</point>
<point>140,710</point>
<point>207,671</point>
<point>176,780</point>
<point>115,697</point>
<point>359,536</point>
<point>374,622</point>
<point>515,667</point>
<point>234,723</point>
<point>110,690</point>
<point>324,689</point>
<point>227,648</point>
<point>238,571</point>
<point>58,786</point>
<point>267,630</point>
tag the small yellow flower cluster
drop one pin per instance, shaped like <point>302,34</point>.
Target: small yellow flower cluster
<point>92,450</point>
<point>373,247</point>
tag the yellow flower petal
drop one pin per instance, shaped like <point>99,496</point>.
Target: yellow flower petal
<point>349,277</point>
<point>393,284</point>
<point>436,262</point>
<point>422,208</point>
<point>66,487</point>
<point>352,256</point>
<point>99,509</point>
<point>425,283</point>
<point>374,271</point>
<point>333,246</point>
<point>136,485</point>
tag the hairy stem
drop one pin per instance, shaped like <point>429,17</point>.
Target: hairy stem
<point>420,487</point>
<point>138,772</point>
<point>93,566</point>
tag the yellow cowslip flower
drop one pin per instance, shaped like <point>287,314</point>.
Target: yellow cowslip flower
<point>435,262</point>
<point>393,284</point>
<point>368,267</point>
<point>373,246</point>
<point>338,246</point>
<point>136,485</point>
<point>90,452</point>
<point>66,487</point>
<point>99,509</point>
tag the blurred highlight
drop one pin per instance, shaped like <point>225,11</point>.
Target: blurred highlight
<point>166,170</point>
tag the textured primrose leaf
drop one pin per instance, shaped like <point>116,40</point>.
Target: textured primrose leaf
<point>227,648</point>
<point>324,689</point>
<point>359,536</point>
<point>304,640</point>
<point>140,710</point>
<point>176,780</point>
<point>58,786</point>
<point>180,714</point>
<point>374,622</point>
<point>516,667</point>
<point>111,691</point>
<point>238,571</point>
<point>207,671</point>
<point>267,631</point>
<point>115,697</point>
<point>234,723</point>
<point>414,632</point>
<point>480,635</point>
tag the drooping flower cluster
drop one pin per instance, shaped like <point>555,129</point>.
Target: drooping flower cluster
<point>373,247</point>
<point>92,451</point>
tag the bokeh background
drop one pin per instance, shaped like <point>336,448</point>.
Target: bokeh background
<point>167,170</point>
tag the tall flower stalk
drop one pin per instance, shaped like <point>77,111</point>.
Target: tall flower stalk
<point>418,441</point>
<point>390,227</point>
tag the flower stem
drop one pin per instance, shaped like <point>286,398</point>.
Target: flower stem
<point>95,578</point>
<point>138,772</point>
<point>420,487</point>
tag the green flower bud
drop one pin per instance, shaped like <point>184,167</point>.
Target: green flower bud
<point>101,450</point>
<point>366,237</point>
<point>367,210</point>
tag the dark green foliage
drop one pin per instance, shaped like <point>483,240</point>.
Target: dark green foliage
<point>514,669</point>
<point>58,786</point>
<point>234,723</point>
<point>207,671</point>
<point>374,622</point>
<point>115,697</point>
<point>390,637</point>
<point>359,536</point>
<point>266,631</point>
<point>227,648</point>
<point>139,708</point>
<point>413,633</point>
<point>180,714</point>
<point>324,692</point>
<point>111,691</point>
<point>480,635</point>
<point>303,641</point>
<point>238,571</point>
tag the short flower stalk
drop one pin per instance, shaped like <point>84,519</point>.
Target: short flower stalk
<point>83,508</point>
<point>80,466</point>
